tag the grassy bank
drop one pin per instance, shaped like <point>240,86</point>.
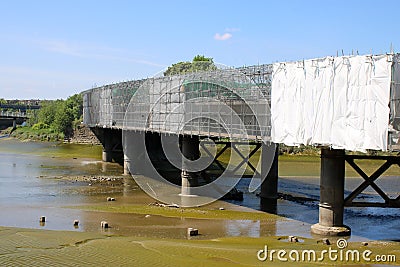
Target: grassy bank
<point>304,165</point>
<point>29,133</point>
<point>305,162</point>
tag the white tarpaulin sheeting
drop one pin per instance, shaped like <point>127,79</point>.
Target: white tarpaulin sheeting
<point>337,101</point>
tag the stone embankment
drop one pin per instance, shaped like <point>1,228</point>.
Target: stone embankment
<point>83,135</point>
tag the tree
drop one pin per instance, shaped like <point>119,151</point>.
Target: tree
<point>60,115</point>
<point>63,118</point>
<point>202,58</point>
<point>75,105</point>
<point>199,63</point>
<point>47,112</point>
<point>202,63</point>
<point>178,68</point>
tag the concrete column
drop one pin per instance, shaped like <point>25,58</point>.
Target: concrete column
<point>331,205</point>
<point>269,187</point>
<point>190,151</point>
<point>14,123</point>
<point>127,165</point>
<point>107,146</point>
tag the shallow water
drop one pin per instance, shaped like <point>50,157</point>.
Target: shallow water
<point>365,223</point>
<point>30,187</point>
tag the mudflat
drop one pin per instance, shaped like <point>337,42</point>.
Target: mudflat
<point>41,179</point>
<point>29,247</point>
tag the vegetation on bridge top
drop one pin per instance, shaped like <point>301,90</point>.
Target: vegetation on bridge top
<point>199,63</point>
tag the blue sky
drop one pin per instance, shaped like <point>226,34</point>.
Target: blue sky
<point>53,49</point>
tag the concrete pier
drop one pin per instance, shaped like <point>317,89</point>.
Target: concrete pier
<point>107,146</point>
<point>331,205</point>
<point>190,151</point>
<point>269,187</point>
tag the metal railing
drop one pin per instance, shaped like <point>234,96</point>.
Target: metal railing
<point>13,114</point>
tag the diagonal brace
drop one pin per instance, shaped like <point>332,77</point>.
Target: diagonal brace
<point>369,181</point>
<point>246,159</point>
<point>216,156</point>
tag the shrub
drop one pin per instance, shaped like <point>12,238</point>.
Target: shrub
<point>40,125</point>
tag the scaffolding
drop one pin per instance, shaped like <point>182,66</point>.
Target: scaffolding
<point>231,103</point>
<point>394,105</point>
<point>222,103</point>
<point>105,106</point>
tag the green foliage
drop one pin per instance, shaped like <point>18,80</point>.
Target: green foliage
<point>59,115</point>
<point>40,125</point>
<point>37,133</point>
<point>33,117</point>
<point>202,58</point>
<point>75,105</point>
<point>63,118</point>
<point>199,63</point>
<point>178,68</point>
<point>47,112</point>
<point>3,101</point>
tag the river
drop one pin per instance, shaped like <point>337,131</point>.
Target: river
<point>33,183</point>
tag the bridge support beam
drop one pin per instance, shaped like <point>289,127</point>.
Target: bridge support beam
<point>190,151</point>
<point>107,146</point>
<point>269,187</point>
<point>331,206</point>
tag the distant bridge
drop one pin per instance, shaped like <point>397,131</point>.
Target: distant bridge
<point>13,115</point>
<point>338,103</point>
<point>22,108</point>
<point>9,118</point>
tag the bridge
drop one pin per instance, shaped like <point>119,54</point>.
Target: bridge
<point>19,107</point>
<point>12,118</point>
<point>187,122</point>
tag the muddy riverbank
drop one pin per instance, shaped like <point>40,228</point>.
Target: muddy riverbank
<point>69,182</point>
<point>27,247</point>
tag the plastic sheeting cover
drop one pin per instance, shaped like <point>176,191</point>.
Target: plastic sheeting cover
<point>340,102</point>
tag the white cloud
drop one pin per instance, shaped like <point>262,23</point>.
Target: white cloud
<point>223,37</point>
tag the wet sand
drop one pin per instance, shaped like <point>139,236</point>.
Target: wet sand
<point>28,247</point>
<point>64,188</point>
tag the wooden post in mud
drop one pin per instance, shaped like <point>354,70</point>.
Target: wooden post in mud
<point>269,187</point>
<point>190,151</point>
<point>331,206</point>
<point>107,145</point>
